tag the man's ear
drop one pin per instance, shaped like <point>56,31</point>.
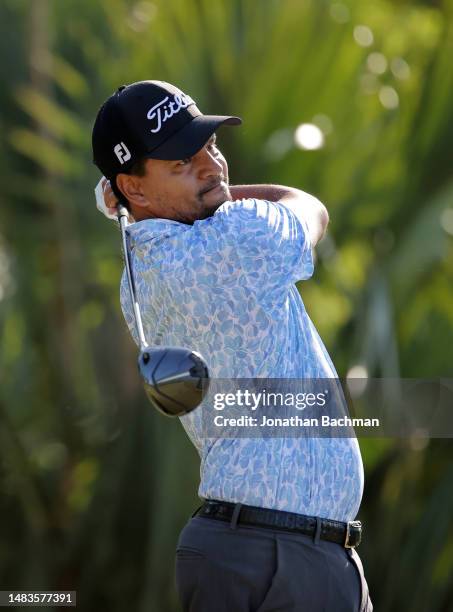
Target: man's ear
<point>131,188</point>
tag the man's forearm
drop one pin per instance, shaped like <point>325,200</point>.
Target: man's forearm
<point>273,193</point>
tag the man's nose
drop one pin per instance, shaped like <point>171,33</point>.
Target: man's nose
<point>208,164</point>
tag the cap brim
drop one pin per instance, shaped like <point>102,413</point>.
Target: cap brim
<point>192,137</point>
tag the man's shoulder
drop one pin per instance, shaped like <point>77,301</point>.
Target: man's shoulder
<point>141,231</point>
<point>245,207</point>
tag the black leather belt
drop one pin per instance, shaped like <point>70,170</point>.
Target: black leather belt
<point>347,534</point>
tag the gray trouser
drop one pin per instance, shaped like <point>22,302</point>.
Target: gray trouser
<point>234,568</point>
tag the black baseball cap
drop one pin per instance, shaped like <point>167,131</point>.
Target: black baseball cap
<point>150,119</point>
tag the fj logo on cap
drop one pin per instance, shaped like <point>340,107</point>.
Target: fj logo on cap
<point>166,108</point>
<point>122,152</point>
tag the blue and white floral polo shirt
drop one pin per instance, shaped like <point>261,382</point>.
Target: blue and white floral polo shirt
<point>225,286</point>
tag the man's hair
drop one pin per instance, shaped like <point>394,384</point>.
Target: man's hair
<point>137,169</point>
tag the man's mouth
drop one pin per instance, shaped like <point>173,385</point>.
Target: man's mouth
<point>216,185</point>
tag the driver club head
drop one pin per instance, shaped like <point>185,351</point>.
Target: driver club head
<point>173,379</point>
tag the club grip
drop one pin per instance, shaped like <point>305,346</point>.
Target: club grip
<point>122,211</point>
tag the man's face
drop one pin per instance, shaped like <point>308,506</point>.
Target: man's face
<point>185,190</point>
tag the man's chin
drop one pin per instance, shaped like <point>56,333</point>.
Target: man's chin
<point>227,194</point>
<point>225,198</point>
<point>217,197</point>
<point>210,202</point>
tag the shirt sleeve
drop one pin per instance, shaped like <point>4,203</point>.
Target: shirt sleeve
<point>272,243</point>
<point>264,245</point>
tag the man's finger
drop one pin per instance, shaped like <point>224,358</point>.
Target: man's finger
<point>107,208</point>
<point>110,198</point>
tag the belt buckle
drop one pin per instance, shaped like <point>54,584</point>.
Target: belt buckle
<point>209,506</point>
<point>353,534</point>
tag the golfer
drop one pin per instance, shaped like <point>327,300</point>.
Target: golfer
<point>215,268</point>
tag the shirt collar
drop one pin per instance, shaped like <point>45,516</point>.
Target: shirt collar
<point>148,229</point>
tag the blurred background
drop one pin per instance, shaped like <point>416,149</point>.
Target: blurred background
<point>350,100</point>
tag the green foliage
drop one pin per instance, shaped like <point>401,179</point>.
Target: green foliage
<point>92,490</point>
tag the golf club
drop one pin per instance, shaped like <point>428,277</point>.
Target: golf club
<point>172,376</point>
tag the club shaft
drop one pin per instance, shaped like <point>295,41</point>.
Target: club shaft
<point>123,216</point>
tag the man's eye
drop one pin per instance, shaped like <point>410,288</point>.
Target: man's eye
<point>184,162</point>
<point>213,147</point>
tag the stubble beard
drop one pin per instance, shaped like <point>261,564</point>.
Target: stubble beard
<point>207,210</point>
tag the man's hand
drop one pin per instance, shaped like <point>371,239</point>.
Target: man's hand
<point>106,200</point>
<point>302,204</point>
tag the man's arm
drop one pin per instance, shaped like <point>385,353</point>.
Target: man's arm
<point>302,204</point>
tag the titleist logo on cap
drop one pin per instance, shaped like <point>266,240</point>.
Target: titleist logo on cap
<point>166,108</point>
